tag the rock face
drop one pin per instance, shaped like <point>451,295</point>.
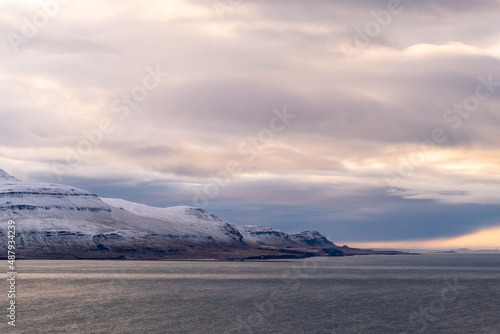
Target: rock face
<point>62,222</point>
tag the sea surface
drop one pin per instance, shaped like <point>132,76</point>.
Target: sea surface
<point>432,293</point>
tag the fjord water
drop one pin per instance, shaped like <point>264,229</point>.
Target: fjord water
<point>434,293</point>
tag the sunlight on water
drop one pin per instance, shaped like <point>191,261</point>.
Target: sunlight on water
<point>452,293</point>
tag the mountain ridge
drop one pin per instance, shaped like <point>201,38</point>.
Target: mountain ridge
<point>56,221</point>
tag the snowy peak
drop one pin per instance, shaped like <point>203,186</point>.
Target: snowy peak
<point>59,221</point>
<point>4,176</point>
<point>163,213</point>
<point>51,207</point>
<point>202,214</point>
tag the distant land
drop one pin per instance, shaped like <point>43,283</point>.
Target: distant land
<point>54,221</point>
<point>467,250</point>
<point>431,250</point>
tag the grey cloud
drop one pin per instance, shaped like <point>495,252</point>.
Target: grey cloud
<point>228,75</point>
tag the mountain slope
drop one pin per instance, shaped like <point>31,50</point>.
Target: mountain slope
<point>57,221</point>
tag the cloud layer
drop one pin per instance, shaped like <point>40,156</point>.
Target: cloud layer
<point>394,109</point>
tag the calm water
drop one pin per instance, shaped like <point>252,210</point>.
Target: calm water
<point>448,293</point>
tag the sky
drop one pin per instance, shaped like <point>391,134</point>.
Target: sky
<point>373,122</point>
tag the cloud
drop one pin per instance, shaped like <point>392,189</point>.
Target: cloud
<point>483,239</point>
<point>358,120</point>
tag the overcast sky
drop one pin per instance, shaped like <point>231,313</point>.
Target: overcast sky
<point>373,122</point>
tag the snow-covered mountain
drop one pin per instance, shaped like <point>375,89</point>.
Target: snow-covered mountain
<point>58,221</point>
<point>7,177</point>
